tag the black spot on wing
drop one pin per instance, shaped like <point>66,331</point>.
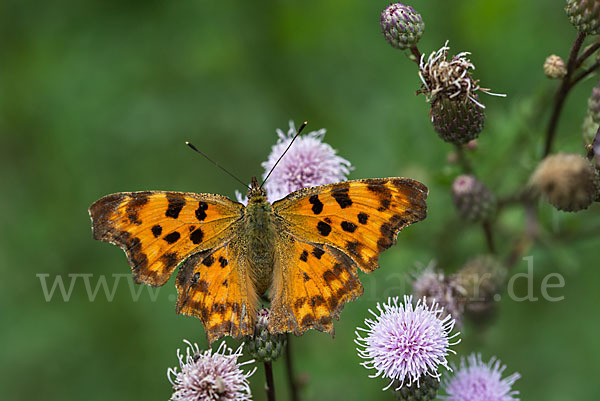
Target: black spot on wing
<point>348,227</point>
<point>304,256</point>
<point>196,236</point>
<point>201,211</point>
<point>342,198</point>
<point>208,261</point>
<point>362,218</point>
<point>318,252</point>
<point>383,194</point>
<point>172,237</point>
<point>324,228</point>
<point>156,231</point>
<point>317,205</point>
<point>305,276</point>
<point>133,206</point>
<point>175,205</point>
<point>385,205</point>
<point>222,261</point>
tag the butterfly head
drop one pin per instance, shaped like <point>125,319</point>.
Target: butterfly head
<point>256,193</point>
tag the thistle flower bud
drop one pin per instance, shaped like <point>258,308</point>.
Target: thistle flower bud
<point>567,181</point>
<point>480,279</point>
<point>594,104</point>
<point>589,128</point>
<point>435,286</point>
<point>457,121</point>
<point>584,15</point>
<point>555,67</point>
<point>472,199</point>
<point>401,25</point>
<point>426,390</point>
<point>264,346</point>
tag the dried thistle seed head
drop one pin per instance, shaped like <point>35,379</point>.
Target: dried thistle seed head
<point>584,15</point>
<point>473,201</point>
<point>555,67</point>
<point>457,121</point>
<point>567,181</point>
<point>449,78</point>
<point>264,346</point>
<point>401,25</point>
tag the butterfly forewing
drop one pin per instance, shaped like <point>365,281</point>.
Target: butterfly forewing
<point>360,218</point>
<point>158,230</point>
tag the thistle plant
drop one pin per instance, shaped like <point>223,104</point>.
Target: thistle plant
<point>409,342</point>
<point>475,380</point>
<point>406,343</point>
<point>210,376</point>
<point>433,285</point>
<point>308,163</point>
<point>401,26</point>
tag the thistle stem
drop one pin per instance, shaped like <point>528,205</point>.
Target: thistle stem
<point>290,370</point>
<point>562,93</point>
<point>585,73</point>
<point>587,53</point>
<point>415,51</point>
<point>462,159</point>
<point>270,386</point>
<point>489,236</point>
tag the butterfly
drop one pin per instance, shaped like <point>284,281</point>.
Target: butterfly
<point>304,250</point>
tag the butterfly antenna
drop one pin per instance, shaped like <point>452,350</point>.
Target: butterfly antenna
<point>195,149</point>
<point>283,154</point>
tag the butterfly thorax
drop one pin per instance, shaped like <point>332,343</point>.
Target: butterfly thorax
<point>261,237</point>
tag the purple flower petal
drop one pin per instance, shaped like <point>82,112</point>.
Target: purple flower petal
<point>478,381</point>
<point>210,376</point>
<point>405,342</point>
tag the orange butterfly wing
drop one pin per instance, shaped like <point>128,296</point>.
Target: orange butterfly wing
<point>158,230</point>
<point>351,223</point>
<point>215,286</point>
<point>311,284</point>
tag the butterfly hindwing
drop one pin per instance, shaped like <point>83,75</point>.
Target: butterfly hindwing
<point>159,229</point>
<point>311,284</point>
<point>215,286</point>
<point>360,218</point>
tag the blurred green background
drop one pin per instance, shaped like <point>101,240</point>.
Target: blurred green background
<point>99,96</point>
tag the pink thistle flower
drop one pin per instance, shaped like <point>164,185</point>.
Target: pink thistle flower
<point>208,376</point>
<point>309,162</point>
<point>406,342</point>
<point>478,381</point>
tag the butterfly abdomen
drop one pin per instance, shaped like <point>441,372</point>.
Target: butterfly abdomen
<point>260,248</point>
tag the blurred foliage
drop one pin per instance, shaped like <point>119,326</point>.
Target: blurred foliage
<point>99,96</point>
